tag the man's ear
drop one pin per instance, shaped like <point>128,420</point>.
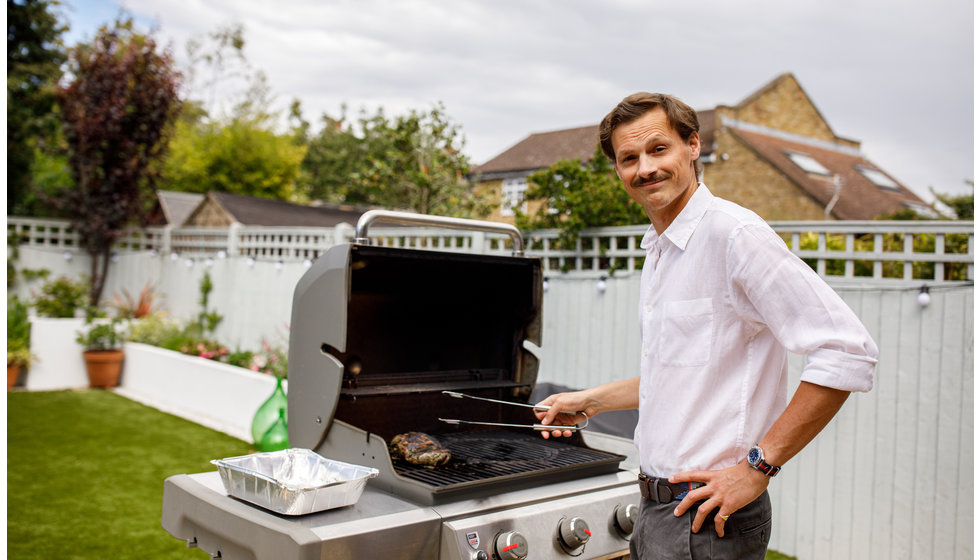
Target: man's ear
<point>694,142</point>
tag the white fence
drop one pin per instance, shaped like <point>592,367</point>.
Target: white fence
<point>891,477</point>
<point>599,251</point>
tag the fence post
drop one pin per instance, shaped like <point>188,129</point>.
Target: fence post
<point>165,240</point>
<point>479,241</point>
<point>232,243</point>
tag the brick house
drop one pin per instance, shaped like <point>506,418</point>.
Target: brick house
<point>773,152</point>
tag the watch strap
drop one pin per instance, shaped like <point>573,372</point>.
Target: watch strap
<point>761,464</point>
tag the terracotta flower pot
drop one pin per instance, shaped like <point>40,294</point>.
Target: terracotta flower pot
<point>13,373</point>
<point>103,367</point>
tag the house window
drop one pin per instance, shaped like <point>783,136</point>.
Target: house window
<point>878,178</point>
<point>921,210</point>
<point>512,197</point>
<point>807,163</point>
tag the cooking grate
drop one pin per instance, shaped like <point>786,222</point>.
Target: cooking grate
<point>489,455</point>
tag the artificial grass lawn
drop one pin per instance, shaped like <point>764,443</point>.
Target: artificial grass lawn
<point>85,472</point>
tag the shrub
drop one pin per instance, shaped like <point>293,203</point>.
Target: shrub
<point>61,297</point>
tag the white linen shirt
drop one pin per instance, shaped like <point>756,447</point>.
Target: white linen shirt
<point>722,299</point>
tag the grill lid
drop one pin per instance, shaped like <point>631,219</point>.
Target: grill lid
<point>378,333</point>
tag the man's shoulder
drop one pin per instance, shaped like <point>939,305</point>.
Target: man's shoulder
<point>727,216</point>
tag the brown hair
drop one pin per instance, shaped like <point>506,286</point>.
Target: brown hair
<point>681,117</point>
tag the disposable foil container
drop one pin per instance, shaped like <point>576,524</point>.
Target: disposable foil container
<point>293,481</point>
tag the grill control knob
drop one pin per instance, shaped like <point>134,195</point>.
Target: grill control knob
<point>510,546</point>
<point>625,518</point>
<point>574,532</point>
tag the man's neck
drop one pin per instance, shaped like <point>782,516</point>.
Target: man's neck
<point>661,219</point>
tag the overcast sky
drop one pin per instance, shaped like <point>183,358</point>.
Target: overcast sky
<point>897,75</point>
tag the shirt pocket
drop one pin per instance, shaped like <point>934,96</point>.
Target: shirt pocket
<point>685,338</point>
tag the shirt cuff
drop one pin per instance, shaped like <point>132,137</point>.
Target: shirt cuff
<point>839,370</point>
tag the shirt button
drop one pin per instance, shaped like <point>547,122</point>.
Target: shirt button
<point>648,308</point>
<point>646,352</point>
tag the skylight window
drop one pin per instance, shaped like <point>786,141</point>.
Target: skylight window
<point>878,178</point>
<point>921,210</point>
<point>807,163</point>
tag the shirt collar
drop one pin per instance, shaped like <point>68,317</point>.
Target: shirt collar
<point>679,231</point>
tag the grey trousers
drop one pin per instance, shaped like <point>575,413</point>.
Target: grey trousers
<point>659,535</point>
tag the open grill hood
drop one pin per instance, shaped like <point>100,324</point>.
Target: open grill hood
<point>378,333</point>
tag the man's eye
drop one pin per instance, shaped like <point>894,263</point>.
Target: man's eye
<point>627,159</point>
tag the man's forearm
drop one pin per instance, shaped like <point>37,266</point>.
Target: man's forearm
<point>810,410</point>
<point>617,395</point>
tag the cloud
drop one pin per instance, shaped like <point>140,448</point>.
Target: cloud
<point>896,75</point>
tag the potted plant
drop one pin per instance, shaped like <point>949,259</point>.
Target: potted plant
<point>103,352</point>
<point>18,360</point>
<point>18,340</point>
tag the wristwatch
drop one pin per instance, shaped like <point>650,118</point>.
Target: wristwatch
<point>757,461</point>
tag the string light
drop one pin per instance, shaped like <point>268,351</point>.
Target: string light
<point>601,285</point>
<point>544,285</point>
<point>251,262</point>
<point>924,298</point>
<point>69,255</point>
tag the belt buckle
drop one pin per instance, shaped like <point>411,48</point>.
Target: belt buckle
<point>656,489</point>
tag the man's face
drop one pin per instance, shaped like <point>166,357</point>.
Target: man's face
<point>656,165</point>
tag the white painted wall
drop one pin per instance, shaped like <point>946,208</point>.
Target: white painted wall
<point>216,395</point>
<point>58,362</point>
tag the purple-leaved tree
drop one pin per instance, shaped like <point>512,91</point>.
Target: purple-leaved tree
<point>117,110</point>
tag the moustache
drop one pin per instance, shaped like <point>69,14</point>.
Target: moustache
<point>643,181</point>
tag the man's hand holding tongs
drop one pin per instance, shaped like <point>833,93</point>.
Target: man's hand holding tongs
<point>579,400</point>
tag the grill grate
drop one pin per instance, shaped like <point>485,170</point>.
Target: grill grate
<point>485,456</point>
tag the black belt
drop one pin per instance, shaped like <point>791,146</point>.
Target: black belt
<point>662,491</point>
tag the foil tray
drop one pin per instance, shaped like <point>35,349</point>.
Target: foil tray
<point>293,481</point>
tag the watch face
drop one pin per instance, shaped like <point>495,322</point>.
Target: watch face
<point>755,456</point>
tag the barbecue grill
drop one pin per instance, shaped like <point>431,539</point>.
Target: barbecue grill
<point>378,335</point>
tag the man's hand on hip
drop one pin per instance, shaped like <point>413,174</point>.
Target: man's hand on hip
<point>726,490</point>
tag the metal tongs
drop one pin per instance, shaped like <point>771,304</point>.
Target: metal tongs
<point>538,408</point>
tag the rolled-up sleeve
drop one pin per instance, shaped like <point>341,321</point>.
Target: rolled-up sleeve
<point>773,287</point>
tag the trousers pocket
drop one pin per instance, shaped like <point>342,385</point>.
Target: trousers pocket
<point>755,527</point>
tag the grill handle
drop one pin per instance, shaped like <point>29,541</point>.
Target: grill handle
<point>371,216</point>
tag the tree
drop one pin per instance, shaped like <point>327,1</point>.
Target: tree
<point>333,158</point>
<point>242,156</point>
<point>413,161</point>
<point>238,150</point>
<point>579,195</point>
<point>117,112</point>
<point>35,53</point>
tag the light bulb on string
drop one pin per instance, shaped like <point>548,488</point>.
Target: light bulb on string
<point>924,298</point>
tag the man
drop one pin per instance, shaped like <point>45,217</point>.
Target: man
<point>722,300</point>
